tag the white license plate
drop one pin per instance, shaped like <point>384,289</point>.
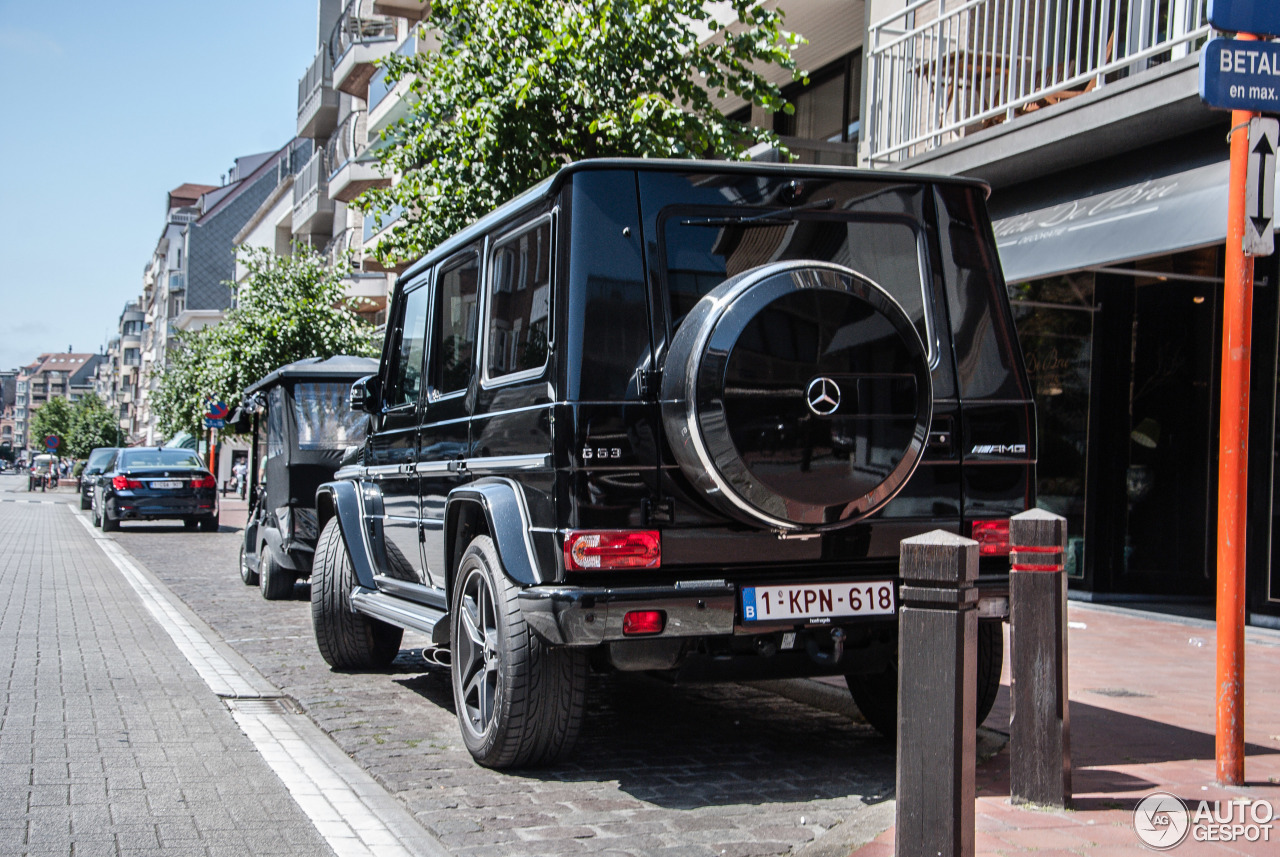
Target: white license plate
<point>167,483</point>
<point>817,600</point>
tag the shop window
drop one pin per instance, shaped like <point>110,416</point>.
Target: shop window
<point>1054,318</point>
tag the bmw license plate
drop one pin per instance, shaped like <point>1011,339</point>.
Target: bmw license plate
<point>818,601</point>
<point>167,483</point>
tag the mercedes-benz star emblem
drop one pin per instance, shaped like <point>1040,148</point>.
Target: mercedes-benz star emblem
<point>823,396</point>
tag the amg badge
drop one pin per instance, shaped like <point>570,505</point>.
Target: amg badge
<point>999,449</point>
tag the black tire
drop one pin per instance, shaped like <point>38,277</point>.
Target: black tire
<point>190,523</point>
<point>248,575</point>
<point>84,504</point>
<point>109,524</point>
<point>522,705</point>
<point>876,695</point>
<point>275,582</point>
<point>209,524</point>
<point>93,514</point>
<point>347,640</point>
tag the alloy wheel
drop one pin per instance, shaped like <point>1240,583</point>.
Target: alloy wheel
<point>477,653</point>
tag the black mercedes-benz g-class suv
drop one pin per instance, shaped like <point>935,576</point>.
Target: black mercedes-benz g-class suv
<point>677,416</point>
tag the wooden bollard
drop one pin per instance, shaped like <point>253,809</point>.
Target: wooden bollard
<point>937,696</point>
<point>1040,725</point>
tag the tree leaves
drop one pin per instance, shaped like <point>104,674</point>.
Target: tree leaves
<point>518,88</point>
<point>286,309</point>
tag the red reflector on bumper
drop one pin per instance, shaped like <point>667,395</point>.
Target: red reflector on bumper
<point>601,549</point>
<point>639,622</point>
<point>992,537</point>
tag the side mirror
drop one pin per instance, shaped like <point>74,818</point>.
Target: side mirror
<point>364,395</point>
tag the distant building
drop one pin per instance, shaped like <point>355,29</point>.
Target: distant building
<point>185,285</point>
<point>51,376</point>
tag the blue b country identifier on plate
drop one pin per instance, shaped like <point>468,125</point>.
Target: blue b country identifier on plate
<point>817,600</point>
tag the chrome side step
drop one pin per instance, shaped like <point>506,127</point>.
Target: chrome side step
<point>396,611</point>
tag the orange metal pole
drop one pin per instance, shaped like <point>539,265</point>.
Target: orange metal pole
<point>1233,459</point>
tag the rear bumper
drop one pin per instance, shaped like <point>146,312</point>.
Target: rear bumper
<point>586,616</point>
<point>151,508</point>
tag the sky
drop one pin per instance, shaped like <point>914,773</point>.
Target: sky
<point>112,105</point>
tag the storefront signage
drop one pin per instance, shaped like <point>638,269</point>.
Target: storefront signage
<point>1260,188</point>
<point>1258,17</point>
<point>1238,75</point>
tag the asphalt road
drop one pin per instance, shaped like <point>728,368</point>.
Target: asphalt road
<point>717,769</point>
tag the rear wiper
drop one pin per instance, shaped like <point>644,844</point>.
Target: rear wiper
<point>766,218</point>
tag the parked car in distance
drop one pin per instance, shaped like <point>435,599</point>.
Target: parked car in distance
<point>677,417</point>
<point>154,484</point>
<point>98,459</point>
<point>43,473</point>
<point>302,425</point>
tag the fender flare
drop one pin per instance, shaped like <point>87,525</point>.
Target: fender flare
<point>346,501</point>
<point>271,539</point>
<point>501,501</point>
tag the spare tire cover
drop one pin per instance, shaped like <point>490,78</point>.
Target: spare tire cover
<point>797,396</point>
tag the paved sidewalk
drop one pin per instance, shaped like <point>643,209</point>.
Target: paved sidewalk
<point>1142,720</point>
<point>110,743</point>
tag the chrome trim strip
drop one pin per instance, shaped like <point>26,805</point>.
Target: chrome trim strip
<point>506,463</point>
<point>353,471</point>
<point>435,467</point>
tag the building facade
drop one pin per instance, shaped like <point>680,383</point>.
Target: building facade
<point>50,376</point>
<point>1109,200</point>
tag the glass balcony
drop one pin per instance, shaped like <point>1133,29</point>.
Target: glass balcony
<point>312,207</point>
<point>359,39</point>
<point>352,170</point>
<point>317,99</point>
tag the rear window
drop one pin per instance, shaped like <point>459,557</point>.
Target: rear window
<point>704,246</point>
<point>324,417</point>
<point>158,458</point>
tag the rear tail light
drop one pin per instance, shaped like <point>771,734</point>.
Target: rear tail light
<point>992,537</point>
<point>123,483</point>
<point>204,482</point>
<point>638,623</point>
<point>600,549</point>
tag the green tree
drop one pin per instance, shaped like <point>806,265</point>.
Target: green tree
<point>286,309</point>
<point>54,417</point>
<point>517,88</point>
<point>93,424</point>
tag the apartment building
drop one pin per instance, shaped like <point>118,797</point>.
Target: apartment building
<point>119,373</point>
<point>186,283</point>
<point>343,104</point>
<point>1109,198</point>
<point>50,376</point>
<point>8,400</point>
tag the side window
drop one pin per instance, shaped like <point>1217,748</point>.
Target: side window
<point>453,348</point>
<point>405,378</point>
<point>275,422</point>
<point>519,302</point>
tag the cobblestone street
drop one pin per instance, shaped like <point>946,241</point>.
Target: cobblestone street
<point>720,769</point>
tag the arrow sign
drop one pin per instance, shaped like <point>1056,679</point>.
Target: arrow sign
<point>1260,187</point>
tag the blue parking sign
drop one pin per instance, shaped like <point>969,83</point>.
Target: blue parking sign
<point>1258,17</point>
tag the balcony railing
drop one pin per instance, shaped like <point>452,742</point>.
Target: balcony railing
<point>309,180</point>
<point>319,76</point>
<point>378,86</point>
<point>184,215</point>
<point>359,25</point>
<point>938,70</point>
<point>347,142</point>
<point>177,280</point>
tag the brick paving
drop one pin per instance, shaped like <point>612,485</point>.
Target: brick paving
<point>110,743</point>
<point>1142,720</point>
<point>720,769</point>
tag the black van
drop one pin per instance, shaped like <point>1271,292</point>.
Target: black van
<point>676,416</point>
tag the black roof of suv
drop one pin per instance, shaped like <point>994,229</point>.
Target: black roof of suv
<point>676,416</point>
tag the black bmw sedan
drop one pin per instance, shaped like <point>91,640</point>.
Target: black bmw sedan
<point>151,484</point>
